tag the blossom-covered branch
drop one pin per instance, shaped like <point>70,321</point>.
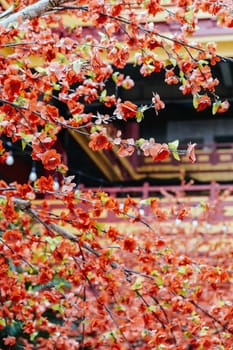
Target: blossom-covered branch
<point>37,9</point>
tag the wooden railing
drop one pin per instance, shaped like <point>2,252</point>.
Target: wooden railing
<point>214,163</point>
<point>212,190</point>
<point>212,203</point>
<point>209,207</point>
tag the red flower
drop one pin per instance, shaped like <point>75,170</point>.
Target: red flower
<point>191,152</point>
<point>129,244</point>
<point>50,159</point>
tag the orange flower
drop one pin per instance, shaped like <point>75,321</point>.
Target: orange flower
<point>50,159</point>
<point>51,112</point>
<point>29,327</point>
<point>12,86</point>
<point>109,101</point>
<point>154,203</point>
<point>99,140</point>
<point>127,109</point>
<point>129,203</point>
<point>191,152</point>
<point>170,77</point>
<point>154,7</point>
<point>45,183</point>
<point>45,276</point>
<point>12,235</point>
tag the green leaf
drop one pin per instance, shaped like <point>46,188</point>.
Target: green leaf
<point>110,335</point>
<point>195,101</point>
<point>2,322</point>
<point>33,335</point>
<point>183,292</point>
<point>144,333</point>
<point>61,57</point>
<point>186,334</point>
<point>181,74</point>
<point>51,316</point>
<point>103,95</point>
<point>53,242</point>
<point>182,270</point>
<point>152,308</point>
<point>139,116</point>
<point>139,142</point>
<point>56,87</point>
<point>114,76</point>
<point>24,144</point>
<point>25,139</point>
<point>159,281</point>
<point>14,329</point>
<point>195,317</point>
<point>176,155</point>
<point>202,62</point>
<point>95,128</point>
<point>120,307</point>
<point>154,273</point>
<point>78,64</point>
<point>59,308</point>
<point>173,146</point>
<point>215,107</point>
<point>137,284</point>
<point>204,331</point>
<point>145,201</point>
<point>99,226</point>
<point>41,70</point>
<point>189,15</point>
<point>170,61</point>
<point>221,302</point>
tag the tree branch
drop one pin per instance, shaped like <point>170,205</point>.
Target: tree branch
<point>31,11</point>
<point>19,203</point>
